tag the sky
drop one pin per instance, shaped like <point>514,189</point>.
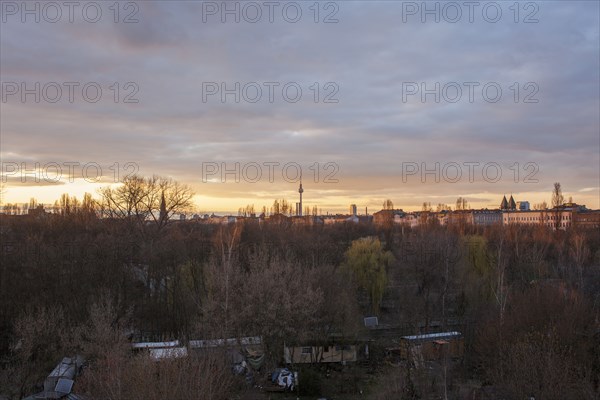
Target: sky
<point>371,100</point>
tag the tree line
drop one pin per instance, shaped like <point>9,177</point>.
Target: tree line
<point>526,298</point>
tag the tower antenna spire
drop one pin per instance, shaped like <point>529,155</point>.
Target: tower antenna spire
<point>300,191</point>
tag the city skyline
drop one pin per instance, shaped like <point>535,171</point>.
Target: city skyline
<point>361,209</point>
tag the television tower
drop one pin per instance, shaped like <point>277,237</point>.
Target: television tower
<point>300,190</point>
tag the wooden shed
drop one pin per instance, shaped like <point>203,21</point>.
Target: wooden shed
<point>432,346</point>
<point>333,353</point>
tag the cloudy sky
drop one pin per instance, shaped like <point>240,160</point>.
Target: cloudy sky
<point>411,101</point>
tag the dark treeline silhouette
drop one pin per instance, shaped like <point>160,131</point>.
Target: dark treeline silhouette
<point>526,298</point>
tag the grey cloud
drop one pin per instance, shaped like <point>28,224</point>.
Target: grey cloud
<point>369,53</point>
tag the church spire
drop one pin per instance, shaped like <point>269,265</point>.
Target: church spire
<point>163,209</point>
<point>504,204</point>
<point>511,203</point>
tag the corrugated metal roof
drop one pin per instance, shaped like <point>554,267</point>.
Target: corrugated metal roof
<point>64,386</point>
<point>430,336</point>
<point>245,341</point>
<point>63,367</point>
<point>161,354</point>
<point>155,345</point>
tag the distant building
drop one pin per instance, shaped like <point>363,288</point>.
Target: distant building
<point>560,218</point>
<point>474,217</point>
<point>407,219</point>
<point>340,219</point>
<point>279,219</point>
<point>244,350</point>
<point>387,216</point>
<point>486,217</point>
<point>563,217</point>
<point>432,346</point>
<point>38,211</point>
<point>353,209</point>
<point>587,219</point>
<point>353,218</point>
<point>508,205</point>
<point>510,212</point>
<point>59,383</point>
<point>365,219</point>
<point>307,220</point>
<point>332,353</point>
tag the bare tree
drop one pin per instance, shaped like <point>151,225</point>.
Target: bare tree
<point>558,201</point>
<point>557,197</point>
<point>105,344</point>
<point>449,251</point>
<point>2,192</point>
<point>141,199</point>
<point>442,207</point>
<point>462,204</point>
<point>222,274</point>
<point>124,201</point>
<point>499,262</point>
<point>541,348</point>
<point>114,373</point>
<point>41,338</point>
<point>579,253</point>
<point>247,211</point>
<point>388,205</point>
<point>271,297</point>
